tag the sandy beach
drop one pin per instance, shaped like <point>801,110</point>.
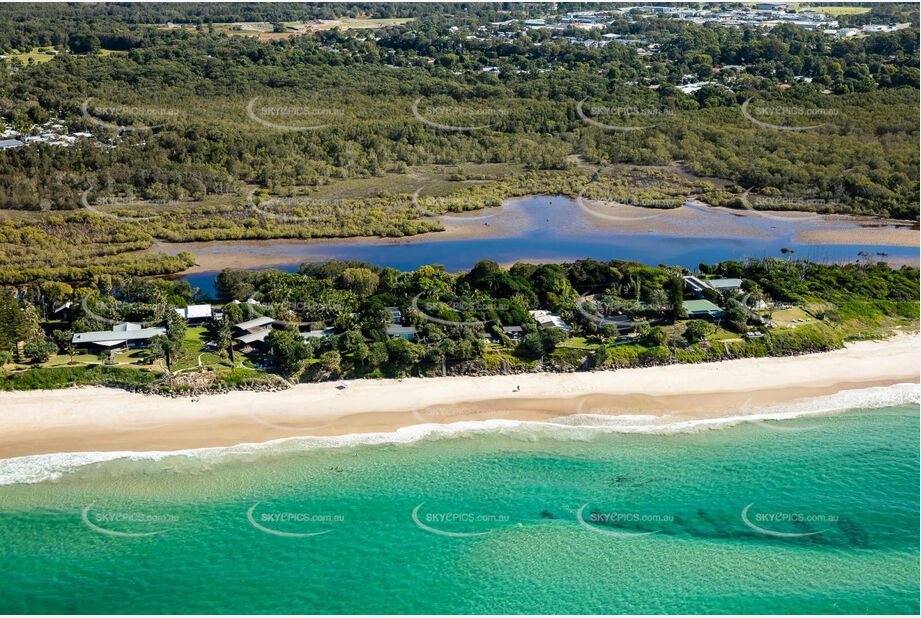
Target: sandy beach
<point>101,419</point>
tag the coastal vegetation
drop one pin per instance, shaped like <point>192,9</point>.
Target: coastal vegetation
<point>192,128</point>
<point>181,130</point>
<point>342,319</point>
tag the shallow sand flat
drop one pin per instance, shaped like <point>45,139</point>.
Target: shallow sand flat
<point>694,220</point>
<point>100,419</point>
<point>893,236</point>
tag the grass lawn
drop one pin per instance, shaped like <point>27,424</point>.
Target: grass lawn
<point>130,357</point>
<point>193,347</point>
<point>264,30</point>
<point>36,55</point>
<point>835,11</point>
<point>786,318</point>
<point>193,344</point>
<point>347,23</point>
<point>577,343</point>
<point>721,334</point>
<point>63,359</point>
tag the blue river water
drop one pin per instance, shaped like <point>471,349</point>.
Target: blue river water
<point>554,228</point>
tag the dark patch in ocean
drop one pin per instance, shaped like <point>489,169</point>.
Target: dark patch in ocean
<point>621,481</point>
<point>856,534</point>
<point>729,527</point>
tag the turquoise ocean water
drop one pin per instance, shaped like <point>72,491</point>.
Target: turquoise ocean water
<point>810,515</point>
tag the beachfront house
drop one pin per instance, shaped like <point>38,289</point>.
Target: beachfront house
<point>121,337</point>
<point>725,285</point>
<point>253,333</point>
<point>698,287</point>
<point>546,319</point>
<point>396,316</point>
<point>703,310</point>
<point>195,314</point>
<point>515,333</point>
<point>406,332</point>
<point>319,333</point>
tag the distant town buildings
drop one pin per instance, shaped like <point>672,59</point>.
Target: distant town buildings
<point>53,133</point>
<point>762,15</point>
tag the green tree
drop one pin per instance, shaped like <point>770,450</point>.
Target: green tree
<point>40,350</point>
<point>83,43</point>
<point>697,330</point>
<point>225,339</point>
<point>331,362</point>
<point>288,350</point>
<point>12,320</point>
<point>161,346</point>
<point>675,291</point>
<point>601,356</point>
<point>362,281</point>
<point>64,341</point>
<point>378,355</point>
<point>657,336</point>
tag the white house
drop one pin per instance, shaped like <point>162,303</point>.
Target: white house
<point>122,335</point>
<point>195,313</point>
<point>546,319</point>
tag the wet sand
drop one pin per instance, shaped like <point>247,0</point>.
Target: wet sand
<point>892,236</point>
<point>694,220</point>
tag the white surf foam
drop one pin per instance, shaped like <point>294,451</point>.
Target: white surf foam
<point>50,467</point>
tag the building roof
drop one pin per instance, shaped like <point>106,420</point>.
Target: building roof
<point>545,318</point>
<point>258,335</point>
<point>397,330</point>
<point>724,284</point>
<point>194,312</point>
<point>694,283</point>
<point>701,306</point>
<point>325,332</point>
<point>126,326</point>
<point>111,337</point>
<point>512,329</point>
<point>255,323</point>
<point>5,144</point>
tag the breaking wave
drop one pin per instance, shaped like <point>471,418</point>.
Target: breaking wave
<point>50,467</point>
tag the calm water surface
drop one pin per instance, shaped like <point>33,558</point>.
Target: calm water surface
<point>543,228</point>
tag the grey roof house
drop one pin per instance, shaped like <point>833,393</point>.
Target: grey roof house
<point>124,334</point>
<point>406,332</point>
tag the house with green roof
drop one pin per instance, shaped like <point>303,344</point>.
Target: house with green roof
<point>703,310</point>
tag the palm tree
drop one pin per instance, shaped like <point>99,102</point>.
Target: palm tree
<point>161,345</point>
<point>225,339</point>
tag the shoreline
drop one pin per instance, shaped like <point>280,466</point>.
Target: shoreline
<point>95,419</point>
<point>511,220</point>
